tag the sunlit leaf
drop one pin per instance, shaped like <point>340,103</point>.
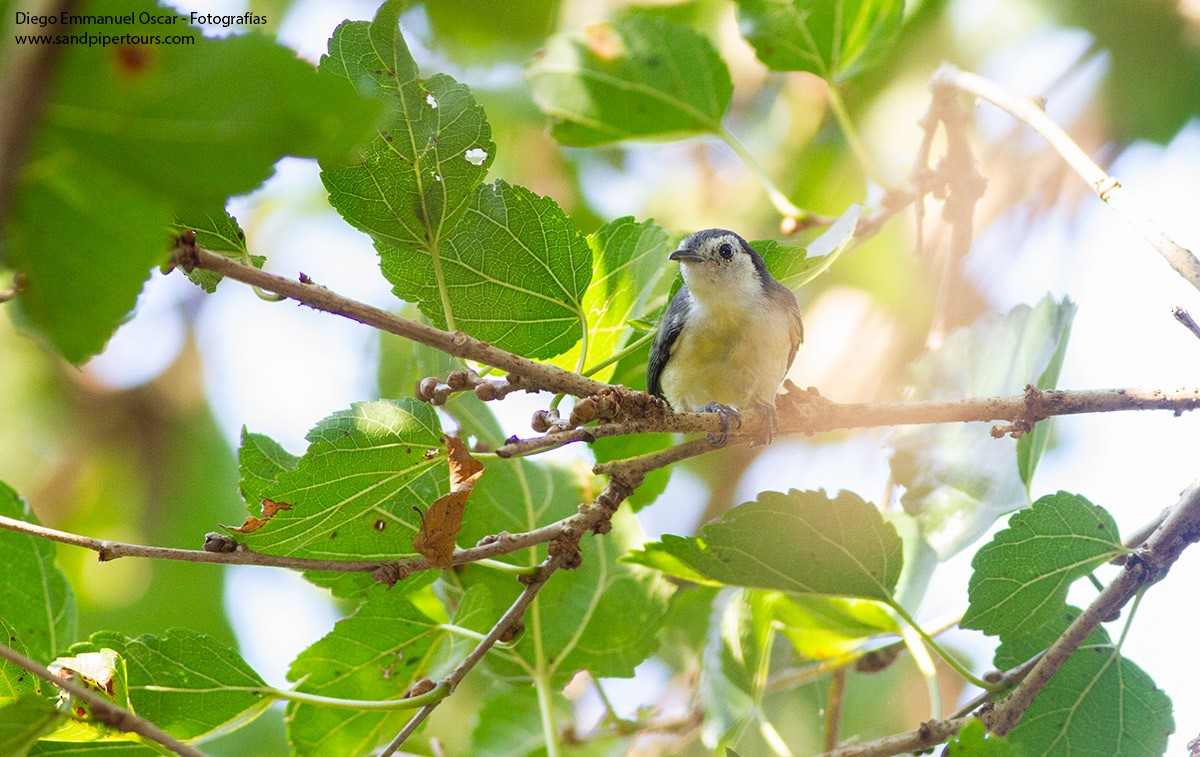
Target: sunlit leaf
<point>834,40</point>
<point>799,542</point>
<point>796,266</point>
<point>24,720</point>
<point>830,627</point>
<point>629,262</point>
<point>187,683</point>
<point>513,272</point>
<point>1021,578</point>
<point>640,76</point>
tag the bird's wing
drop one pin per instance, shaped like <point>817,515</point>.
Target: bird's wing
<point>664,341</point>
<point>795,328</point>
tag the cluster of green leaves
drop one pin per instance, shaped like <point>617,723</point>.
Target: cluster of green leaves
<point>1099,702</point>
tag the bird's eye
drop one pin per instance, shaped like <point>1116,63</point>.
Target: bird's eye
<point>726,250</point>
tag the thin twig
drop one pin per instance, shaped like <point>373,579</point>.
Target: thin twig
<point>833,707</point>
<point>102,710</point>
<point>456,343</point>
<point>506,622</point>
<point>1186,319</point>
<point>1107,188</point>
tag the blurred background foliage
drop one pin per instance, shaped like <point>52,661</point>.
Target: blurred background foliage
<point>137,445</point>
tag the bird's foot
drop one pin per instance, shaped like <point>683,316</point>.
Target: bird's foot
<point>730,418</point>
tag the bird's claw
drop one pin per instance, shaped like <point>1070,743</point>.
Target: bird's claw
<point>730,418</point>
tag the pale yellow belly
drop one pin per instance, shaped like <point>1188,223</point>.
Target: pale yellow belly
<point>733,362</point>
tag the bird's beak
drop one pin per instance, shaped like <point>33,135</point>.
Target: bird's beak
<point>685,256</point>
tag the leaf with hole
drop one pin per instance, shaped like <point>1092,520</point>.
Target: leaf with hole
<point>415,178</point>
<point>352,494</point>
<point>187,683</point>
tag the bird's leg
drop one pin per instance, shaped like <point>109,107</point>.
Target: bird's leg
<point>728,417</point>
<point>772,425</point>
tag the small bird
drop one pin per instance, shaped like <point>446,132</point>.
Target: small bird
<point>729,335</point>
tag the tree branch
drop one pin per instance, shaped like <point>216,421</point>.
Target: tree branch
<point>507,621</point>
<point>1107,188</point>
<point>809,414</point>
<point>533,375</point>
<point>103,710</point>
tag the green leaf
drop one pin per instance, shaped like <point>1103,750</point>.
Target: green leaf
<point>375,654</point>
<point>796,266</point>
<point>134,133</point>
<point>76,294</point>
<point>957,478</point>
<point>513,273</point>
<point>510,723</point>
<point>973,740</point>
<point>38,612</point>
<point>1021,578</point>
<point>186,122</point>
<point>641,76</point>
<point>1014,650</point>
<point>1098,703</point>
<point>432,149</point>
<point>187,683</point>
<point>354,491</point>
<point>627,279</point>
<point>23,721</point>
<point>216,232</point>
<point>822,628</point>
<point>834,40</point>
<point>738,643</point>
<point>262,460</point>
<point>799,542</point>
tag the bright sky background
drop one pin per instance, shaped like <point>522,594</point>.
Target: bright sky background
<point>1133,464</point>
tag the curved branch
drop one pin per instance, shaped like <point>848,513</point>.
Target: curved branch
<point>103,710</point>
<point>1107,188</point>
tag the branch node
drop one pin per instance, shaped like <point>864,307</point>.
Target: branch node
<point>391,573</point>
<point>218,542</point>
<point>1105,187</point>
<point>186,257</point>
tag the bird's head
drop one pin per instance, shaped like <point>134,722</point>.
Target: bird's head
<point>716,260</point>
